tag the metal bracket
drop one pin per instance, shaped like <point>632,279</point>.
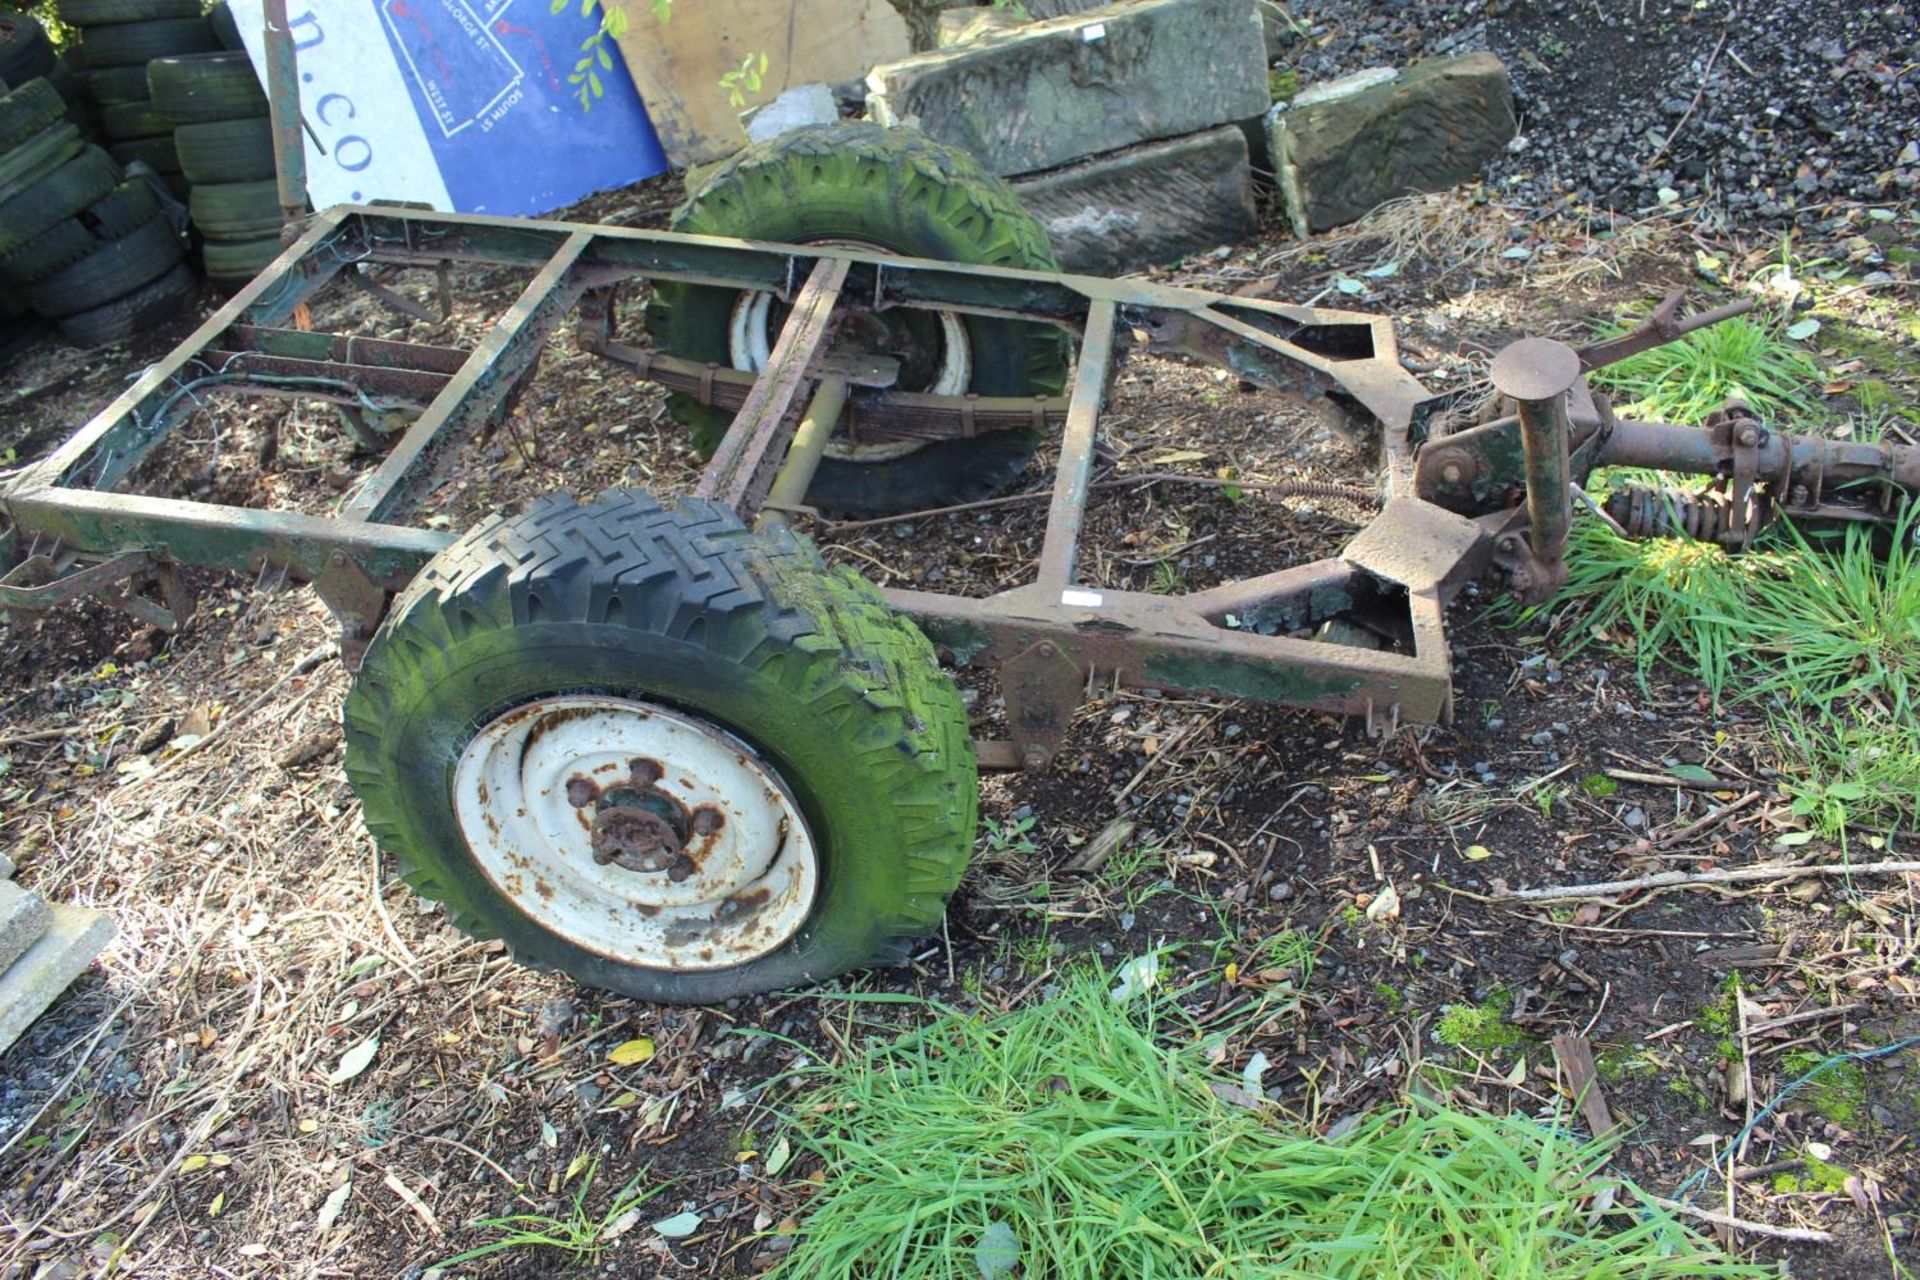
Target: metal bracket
<point>48,580</point>
<point>1041,687</point>
<point>356,601</point>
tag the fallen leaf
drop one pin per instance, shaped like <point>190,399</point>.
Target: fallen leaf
<point>680,1225</point>
<point>632,1053</point>
<point>1478,853</point>
<point>1385,905</point>
<point>1136,976</point>
<point>1692,773</point>
<point>1256,1067</point>
<point>192,1163</point>
<point>330,1207</point>
<point>778,1157</point>
<point>355,1060</point>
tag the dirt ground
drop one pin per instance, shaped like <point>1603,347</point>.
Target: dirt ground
<point>188,1109</point>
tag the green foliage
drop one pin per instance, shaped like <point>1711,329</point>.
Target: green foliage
<point>1480,1028</point>
<point>1824,631</point>
<point>583,1234</point>
<point>594,58</point>
<point>745,79</point>
<point>1087,1139</point>
<point>1684,381</point>
<point>1289,949</point>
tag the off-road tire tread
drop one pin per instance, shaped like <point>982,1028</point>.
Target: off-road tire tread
<point>37,157</point>
<point>135,44</point>
<point>765,602</point>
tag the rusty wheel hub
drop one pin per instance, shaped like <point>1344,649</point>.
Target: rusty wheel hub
<point>644,834</point>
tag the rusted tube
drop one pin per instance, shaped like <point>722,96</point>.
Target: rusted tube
<point>803,456</point>
<point>1537,373</point>
<point>283,110</point>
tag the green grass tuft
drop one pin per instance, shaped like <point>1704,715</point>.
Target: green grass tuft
<point>1684,381</point>
<point>1079,1139</point>
<point>1821,632</point>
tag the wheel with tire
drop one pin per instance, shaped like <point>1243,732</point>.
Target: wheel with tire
<point>226,28</point>
<point>211,86</point>
<point>114,268</point>
<point>135,44</point>
<point>60,195</point>
<point>226,151</point>
<point>667,755</point>
<point>896,190</point>
<point>122,211</point>
<point>133,313</point>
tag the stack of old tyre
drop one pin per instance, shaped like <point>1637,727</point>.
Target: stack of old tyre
<point>117,39</point>
<point>79,244</point>
<point>225,144</point>
<point>26,54</point>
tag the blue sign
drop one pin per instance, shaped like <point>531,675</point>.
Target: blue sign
<point>466,105</point>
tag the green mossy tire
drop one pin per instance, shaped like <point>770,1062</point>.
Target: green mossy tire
<point>226,150</point>
<point>120,212</point>
<point>133,313</point>
<point>680,606</point>
<point>157,153</point>
<point>28,110</point>
<point>114,268</point>
<point>58,196</point>
<point>128,121</point>
<point>25,51</point>
<point>110,86</point>
<point>100,13</point>
<point>203,87</point>
<point>236,210</point>
<point>135,44</point>
<point>37,157</point>
<point>232,263</point>
<point>899,190</point>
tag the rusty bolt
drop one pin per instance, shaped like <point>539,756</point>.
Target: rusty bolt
<point>1749,436</point>
<point>1047,650</point>
<point>1452,474</point>
<point>1033,758</point>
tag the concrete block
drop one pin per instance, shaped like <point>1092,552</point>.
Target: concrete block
<point>802,105</point>
<point>1146,205</point>
<point>1346,146</point>
<point>74,936</point>
<point>24,916</point>
<point>1054,92</point>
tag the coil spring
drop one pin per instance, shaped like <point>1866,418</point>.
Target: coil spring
<point>1323,489</point>
<point>1646,512</point>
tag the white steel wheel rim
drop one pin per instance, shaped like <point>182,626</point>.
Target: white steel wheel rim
<point>535,794</point>
<point>750,345</point>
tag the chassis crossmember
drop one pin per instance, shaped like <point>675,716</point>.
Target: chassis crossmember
<point>1454,500</point>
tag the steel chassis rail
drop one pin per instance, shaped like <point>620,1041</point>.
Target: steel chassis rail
<point>1497,493</point>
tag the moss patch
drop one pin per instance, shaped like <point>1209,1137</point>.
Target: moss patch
<point>1817,1176</point>
<point>1482,1028</point>
<point>1838,1093</point>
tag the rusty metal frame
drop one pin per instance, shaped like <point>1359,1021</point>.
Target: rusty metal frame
<point>1052,639</point>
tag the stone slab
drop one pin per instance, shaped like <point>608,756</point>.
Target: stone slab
<point>74,936</point>
<point>1147,205</point>
<point>1050,93</point>
<point>6,867</point>
<point>24,916</point>
<point>1346,147</point>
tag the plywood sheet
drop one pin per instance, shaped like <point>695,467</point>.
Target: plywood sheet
<point>677,64</point>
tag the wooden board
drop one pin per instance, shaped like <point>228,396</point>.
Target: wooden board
<point>677,64</point>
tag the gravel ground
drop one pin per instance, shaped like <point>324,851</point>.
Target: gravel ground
<point>1767,113</point>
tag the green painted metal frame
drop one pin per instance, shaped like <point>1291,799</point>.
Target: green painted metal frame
<point>1052,639</point>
